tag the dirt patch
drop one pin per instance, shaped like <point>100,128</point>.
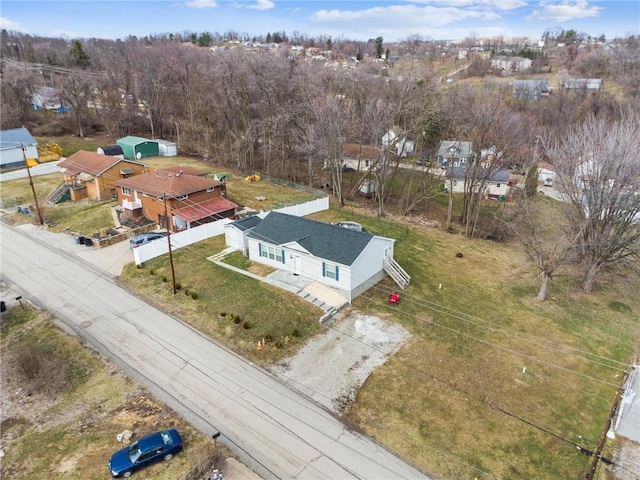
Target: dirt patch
<point>332,367</point>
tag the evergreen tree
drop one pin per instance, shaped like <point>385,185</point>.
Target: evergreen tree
<point>77,56</point>
<point>378,43</point>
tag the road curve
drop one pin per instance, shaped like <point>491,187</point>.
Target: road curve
<point>276,432</point>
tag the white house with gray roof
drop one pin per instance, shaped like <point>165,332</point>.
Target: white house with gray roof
<point>346,260</point>
<point>11,144</point>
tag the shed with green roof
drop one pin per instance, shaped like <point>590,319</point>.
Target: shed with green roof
<point>135,148</point>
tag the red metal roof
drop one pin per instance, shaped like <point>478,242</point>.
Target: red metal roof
<point>205,209</point>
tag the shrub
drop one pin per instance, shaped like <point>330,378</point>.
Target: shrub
<point>237,319</point>
<point>186,291</point>
<point>268,337</point>
<point>194,295</point>
<point>164,279</point>
<point>295,333</point>
<point>152,272</point>
<point>178,286</point>
<point>278,345</point>
<point>246,325</point>
<point>223,314</point>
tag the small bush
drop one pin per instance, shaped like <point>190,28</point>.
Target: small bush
<point>246,325</point>
<point>165,279</point>
<point>278,345</point>
<point>186,291</point>
<point>139,266</point>
<point>178,286</point>
<point>194,295</point>
<point>295,333</point>
<point>229,316</point>
<point>268,337</point>
<point>223,314</point>
<point>152,272</point>
<point>237,320</point>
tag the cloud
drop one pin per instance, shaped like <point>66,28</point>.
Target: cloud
<point>477,4</point>
<point>411,17</point>
<point>565,11</point>
<point>201,4</point>
<point>10,25</point>
<point>262,5</point>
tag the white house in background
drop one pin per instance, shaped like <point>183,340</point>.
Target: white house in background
<point>45,98</point>
<point>546,174</point>
<point>395,138</point>
<point>346,260</point>
<point>11,143</point>
<point>359,157</point>
<point>511,64</point>
<point>495,182</point>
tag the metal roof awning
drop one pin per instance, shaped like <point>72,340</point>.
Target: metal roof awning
<point>205,209</point>
<point>126,171</point>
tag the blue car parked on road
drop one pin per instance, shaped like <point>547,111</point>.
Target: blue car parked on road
<point>146,451</point>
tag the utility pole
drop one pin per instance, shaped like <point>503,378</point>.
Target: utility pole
<point>168,226</point>
<point>608,427</point>
<point>35,197</point>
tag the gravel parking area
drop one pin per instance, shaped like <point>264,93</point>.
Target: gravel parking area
<point>331,367</point>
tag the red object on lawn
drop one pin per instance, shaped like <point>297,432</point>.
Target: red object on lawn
<point>394,298</point>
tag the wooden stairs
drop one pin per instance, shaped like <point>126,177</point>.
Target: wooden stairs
<point>59,192</point>
<point>396,272</point>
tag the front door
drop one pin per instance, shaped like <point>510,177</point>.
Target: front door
<point>297,264</point>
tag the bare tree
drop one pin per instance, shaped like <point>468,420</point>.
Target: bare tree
<point>598,170</point>
<point>541,235</point>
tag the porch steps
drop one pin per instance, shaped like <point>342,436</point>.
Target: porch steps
<point>59,192</point>
<point>396,272</point>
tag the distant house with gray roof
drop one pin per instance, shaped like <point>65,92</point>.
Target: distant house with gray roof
<point>346,260</point>
<point>582,83</point>
<point>494,182</point>
<point>11,144</point>
<point>530,89</point>
<point>454,153</point>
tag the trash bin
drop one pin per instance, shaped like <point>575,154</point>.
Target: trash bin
<point>77,240</point>
<point>81,240</point>
<point>88,242</point>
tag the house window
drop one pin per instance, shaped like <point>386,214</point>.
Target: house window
<point>271,252</point>
<point>126,191</point>
<point>210,189</point>
<point>182,197</point>
<point>366,163</point>
<point>330,271</point>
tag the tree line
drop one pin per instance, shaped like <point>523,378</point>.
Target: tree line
<point>274,112</point>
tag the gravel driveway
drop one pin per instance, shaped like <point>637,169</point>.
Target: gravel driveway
<point>331,367</point>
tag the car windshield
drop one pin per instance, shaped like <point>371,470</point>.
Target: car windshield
<point>134,452</point>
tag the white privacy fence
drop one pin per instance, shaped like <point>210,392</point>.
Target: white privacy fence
<point>196,234</point>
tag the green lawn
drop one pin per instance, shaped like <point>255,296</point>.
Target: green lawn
<point>485,357</point>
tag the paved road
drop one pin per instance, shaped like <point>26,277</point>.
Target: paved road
<point>41,169</point>
<point>276,432</point>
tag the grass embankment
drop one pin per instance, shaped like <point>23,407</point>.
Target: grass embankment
<point>484,359</point>
<point>63,407</point>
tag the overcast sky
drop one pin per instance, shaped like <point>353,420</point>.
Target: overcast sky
<point>358,20</point>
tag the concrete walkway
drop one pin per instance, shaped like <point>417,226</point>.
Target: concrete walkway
<point>629,424</point>
<point>323,297</point>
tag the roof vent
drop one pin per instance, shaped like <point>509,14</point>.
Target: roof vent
<point>350,226</point>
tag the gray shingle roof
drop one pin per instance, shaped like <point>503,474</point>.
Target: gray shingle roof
<point>247,223</point>
<point>322,240</point>
<point>13,138</point>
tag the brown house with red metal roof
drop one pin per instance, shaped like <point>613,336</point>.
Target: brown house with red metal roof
<point>91,175</point>
<point>188,200</point>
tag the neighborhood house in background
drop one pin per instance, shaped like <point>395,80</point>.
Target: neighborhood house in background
<point>11,142</point>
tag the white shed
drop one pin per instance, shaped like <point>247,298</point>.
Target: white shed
<point>167,148</point>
